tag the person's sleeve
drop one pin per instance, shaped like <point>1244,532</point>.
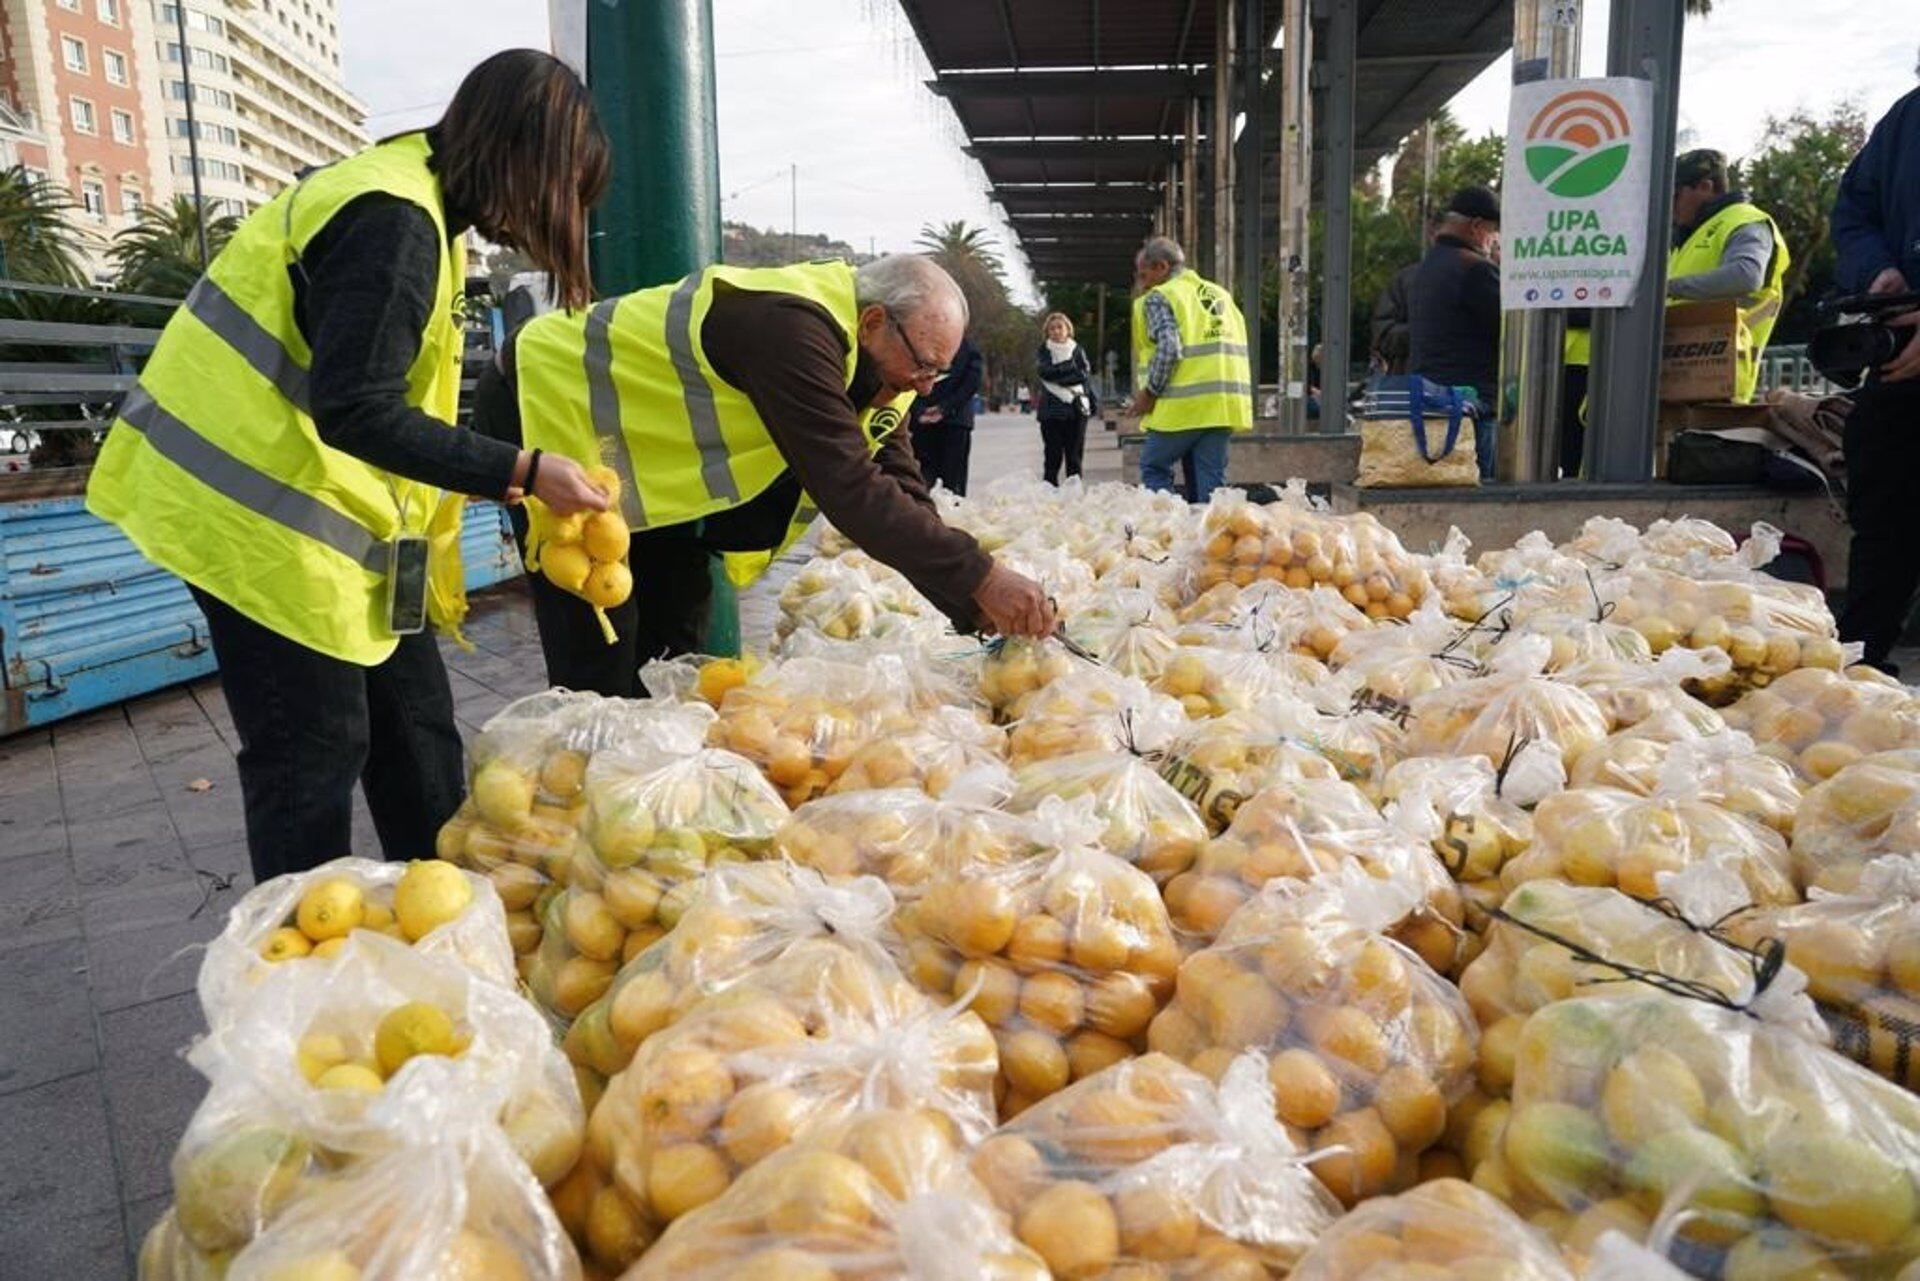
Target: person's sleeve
<point>366,296</point>
<point>1742,272</point>
<point>1164,330</point>
<point>1859,240</point>
<point>790,361</point>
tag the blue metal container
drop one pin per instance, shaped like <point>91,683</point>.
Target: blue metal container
<point>86,620</point>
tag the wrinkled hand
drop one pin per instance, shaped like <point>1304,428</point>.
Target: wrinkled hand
<point>563,486</point>
<point>1142,404</point>
<point>1889,281</point>
<point>1907,364</point>
<point>1012,604</point>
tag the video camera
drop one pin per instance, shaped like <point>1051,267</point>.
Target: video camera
<point>1845,350</point>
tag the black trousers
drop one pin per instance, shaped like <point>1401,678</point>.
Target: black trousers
<point>1573,432</point>
<point>1062,441</point>
<point>311,726</point>
<point>1883,562</point>
<point>942,450</point>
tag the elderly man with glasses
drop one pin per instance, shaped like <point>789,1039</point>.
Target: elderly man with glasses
<point>735,405</point>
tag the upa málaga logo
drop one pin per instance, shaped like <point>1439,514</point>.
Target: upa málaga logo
<point>1577,144</point>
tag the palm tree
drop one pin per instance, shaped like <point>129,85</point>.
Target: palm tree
<point>955,244</point>
<point>160,253</point>
<point>38,242</point>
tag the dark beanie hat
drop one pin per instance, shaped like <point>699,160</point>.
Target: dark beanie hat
<point>1476,202</point>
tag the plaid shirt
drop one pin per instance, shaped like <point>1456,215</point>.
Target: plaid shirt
<point>1165,332</point>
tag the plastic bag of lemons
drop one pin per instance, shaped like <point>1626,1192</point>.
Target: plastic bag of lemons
<point>1128,629</point>
<point>1148,1168</point>
<point>1514,704</point>
<point>1724,767</point>
<point>655,824</point>
<point>887,1194</point>
<point>1296,831</point>
<point>1861,955</point>
<point>844,600</point>
<point>904,837</point>
<point>1289,543</point>
<point>1606,836</point>
<point>949,746</point>
<point>1819,722</point>
<point>1445,1228</point>
<point>332,1065</point>
<point>1364,1044</point>
<point>584,554</point>
<point>1389,667</point>
<point>1770,1155</point>
<point>1868,808</point>
<point>1146,822</point>
<point>1217,764</point>
<point>1017,668</point>
<point>1066,955</point>
<point>522,823</point>
<point>1090,709</point>
<point>452,1201</point>
<point>1454,805</point>
<point>440,909</point>
<point>822,1034</point>
<point>747,915</point>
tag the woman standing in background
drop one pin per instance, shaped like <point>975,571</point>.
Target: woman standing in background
<point>1066,398</point>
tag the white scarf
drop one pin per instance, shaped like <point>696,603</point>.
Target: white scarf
<point>1060,351</point>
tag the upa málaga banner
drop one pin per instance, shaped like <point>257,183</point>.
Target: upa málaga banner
<point>1573,203</point>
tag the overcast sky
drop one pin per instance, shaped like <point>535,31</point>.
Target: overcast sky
<point>829,91</point>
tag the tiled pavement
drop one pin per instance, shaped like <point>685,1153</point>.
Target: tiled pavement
<point>115,864</point>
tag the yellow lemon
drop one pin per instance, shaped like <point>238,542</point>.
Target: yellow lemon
<point>351,1076</point>
<point>503,795</point>
<point>375,916</point>
<point>430,894</point>
<point>566,565</point>
<point>329,1265</point>
<point>608,585</point>
<point>284,944</point>
<point>319,1051</point>
<point>330,909</point>
<point>414,1028</point>
<point>606,536</point>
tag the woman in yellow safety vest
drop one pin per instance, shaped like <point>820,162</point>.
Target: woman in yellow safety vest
<point>290,451</point>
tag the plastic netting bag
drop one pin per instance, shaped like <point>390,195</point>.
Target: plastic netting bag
<point>1513,705</point>
<point>1148,1168</point>
<point>1066,955</point>
<point>747,915</point>
<point>1289,542</point>
<point>320,1070</point>
<point>1298,831</point>
<point>520,825</point>
<point>883,1195</point>
<point>1445,1228</point>
<point>1861,954</point>
<point>1769,1154</point>
<point>1092,709</point>
<point>1365,1045</point>
<point>1605,836</point>
<point>1868,808</point>
<point>1552,941</point>
<point>455,913</point>
<point>903,837</point>
<point>822,1034</point>
<point>654,827</point>
<point>1146,822</point>
<point>1819,722</point>
<point>1725,768</point>
<point>949,746</point>
<point>451,1202</point>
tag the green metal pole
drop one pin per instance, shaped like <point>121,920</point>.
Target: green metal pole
<point>650,67</point>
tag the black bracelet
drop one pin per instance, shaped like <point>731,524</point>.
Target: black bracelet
<point>533,470</point>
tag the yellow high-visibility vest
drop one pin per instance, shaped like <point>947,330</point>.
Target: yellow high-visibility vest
<point>1701,253</point>
<point>1212,386</point>
<point>628,382</point>
<point>213,467</point>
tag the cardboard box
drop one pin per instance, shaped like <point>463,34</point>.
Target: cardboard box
<point>1697,353</point>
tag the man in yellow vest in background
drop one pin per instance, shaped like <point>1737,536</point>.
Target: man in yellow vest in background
<point>1193,382</point>
<point>1725,247</point>
<point>735,405</point>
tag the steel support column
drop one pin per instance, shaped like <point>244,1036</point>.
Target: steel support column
<point>1190,182</point>
<point>1643,39</point>
<point>1296,186</point>
<point>1220,260</point>
<point>1336,290</point>
<point>1248,156</point>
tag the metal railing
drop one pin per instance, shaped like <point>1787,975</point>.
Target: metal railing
<point>1788,367</point>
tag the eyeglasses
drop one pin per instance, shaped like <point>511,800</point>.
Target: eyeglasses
<point>921,365</point>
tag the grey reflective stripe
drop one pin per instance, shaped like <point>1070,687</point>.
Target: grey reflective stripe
<point>255,344</point>
<point>603,406</point>
<point>253,489</point>
<point>697,395</point>
<point>1207,389</point>
<point>1215,349</point>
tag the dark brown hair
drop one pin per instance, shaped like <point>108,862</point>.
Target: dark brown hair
<point>521,152</point>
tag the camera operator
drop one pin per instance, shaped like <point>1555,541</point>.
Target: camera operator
<point>1876,233</point>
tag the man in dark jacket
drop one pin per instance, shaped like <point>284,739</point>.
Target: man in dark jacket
<point>942,420</point>
<point>1454,309</point>
<point>1876,234</point>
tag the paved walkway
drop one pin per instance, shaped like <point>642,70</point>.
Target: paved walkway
<point>116,860</point>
